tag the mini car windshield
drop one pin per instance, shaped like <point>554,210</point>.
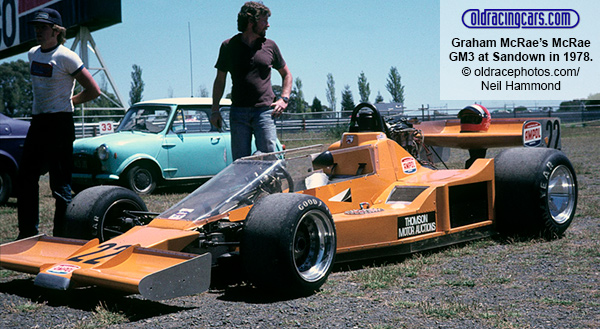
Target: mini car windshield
<point>151,119</point>
<point>240,184</point>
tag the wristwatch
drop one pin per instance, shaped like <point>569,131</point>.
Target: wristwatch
<point>286,99</point>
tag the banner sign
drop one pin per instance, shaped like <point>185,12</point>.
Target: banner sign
<point>16,36</point>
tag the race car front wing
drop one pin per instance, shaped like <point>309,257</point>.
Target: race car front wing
<point>63,263</point>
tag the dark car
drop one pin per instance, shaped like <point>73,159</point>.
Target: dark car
<point>12,138</point>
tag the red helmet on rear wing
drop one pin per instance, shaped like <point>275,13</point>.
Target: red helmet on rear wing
<point>474,118</point>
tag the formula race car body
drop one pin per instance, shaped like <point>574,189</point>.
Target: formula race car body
<point>363,197</point>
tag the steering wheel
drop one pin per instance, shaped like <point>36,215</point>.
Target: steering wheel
<point>365,117</point>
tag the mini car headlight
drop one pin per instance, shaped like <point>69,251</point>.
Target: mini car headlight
<point>102,152</point>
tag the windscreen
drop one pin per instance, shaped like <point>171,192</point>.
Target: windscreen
<point>142,118</point>
<point>238,185</point>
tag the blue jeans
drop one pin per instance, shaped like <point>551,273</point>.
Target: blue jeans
<point>248,121</point>
<point>48,147</point>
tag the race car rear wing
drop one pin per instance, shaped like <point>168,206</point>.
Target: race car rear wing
<point>528,132</point>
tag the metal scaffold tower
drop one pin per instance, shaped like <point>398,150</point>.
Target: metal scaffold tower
<point>85,42</point>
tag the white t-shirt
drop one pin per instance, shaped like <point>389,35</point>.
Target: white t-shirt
<point>52,75</point>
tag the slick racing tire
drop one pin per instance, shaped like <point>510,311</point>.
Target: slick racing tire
<point>288,245</point>
<point>536,192</point>
<point>99,212</point>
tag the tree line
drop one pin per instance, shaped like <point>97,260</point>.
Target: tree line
<point>16,96</point>
<point>298,105</point>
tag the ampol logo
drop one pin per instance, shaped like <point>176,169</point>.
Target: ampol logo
<point>63,269</point>
<point>532,134</point>
<point>409,165</point>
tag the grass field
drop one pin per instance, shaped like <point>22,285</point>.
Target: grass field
<point>581,144</point>
<point>490,283</point>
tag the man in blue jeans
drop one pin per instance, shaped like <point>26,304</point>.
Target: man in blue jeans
<point>249,57</point>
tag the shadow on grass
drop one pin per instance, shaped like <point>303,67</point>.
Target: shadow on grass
<point>11,203</point>
<point>88,299</point>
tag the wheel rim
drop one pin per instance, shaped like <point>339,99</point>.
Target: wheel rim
<point>141,180</point>
<point>112,224</point>
<point>314,243</point>
<point>561,194</point>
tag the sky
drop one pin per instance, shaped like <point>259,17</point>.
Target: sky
<point>316,37</point>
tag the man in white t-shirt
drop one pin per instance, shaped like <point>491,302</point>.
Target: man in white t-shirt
<point>49,143</point>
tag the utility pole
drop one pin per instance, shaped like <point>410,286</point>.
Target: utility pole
<point>191,68</point>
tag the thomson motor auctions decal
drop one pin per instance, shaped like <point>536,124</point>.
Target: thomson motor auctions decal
<point>416,224</point>
<point>532,134</point>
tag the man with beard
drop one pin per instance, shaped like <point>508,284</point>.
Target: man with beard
<point>249,57</point>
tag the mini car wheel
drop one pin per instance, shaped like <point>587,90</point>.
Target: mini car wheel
<point>98,212</point>
<point>5,187</point>
<point>536,192</point>
<point>289,243</point>
<point>141,179</point>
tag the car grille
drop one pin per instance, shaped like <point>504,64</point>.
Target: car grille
<point>405,193</point>
<point>86,164</point>
<point>468,204</point>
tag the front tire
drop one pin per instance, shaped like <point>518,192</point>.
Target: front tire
<point>99,212</point>
<point>289,243</point>
<point>536,192</point>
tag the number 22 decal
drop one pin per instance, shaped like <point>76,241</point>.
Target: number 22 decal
<point>101,248</point>
<point>552,127</point>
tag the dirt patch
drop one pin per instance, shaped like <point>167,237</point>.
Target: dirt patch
<point>492,283</point>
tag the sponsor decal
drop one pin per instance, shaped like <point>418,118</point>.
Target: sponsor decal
<point>532,134</point>
<point>181,213</point>
<point>63,269</point>
<point>349,139</point>
<point>309,202</point>
<point>363,211</point>
<point>416,224</point>
<point>409,165</point>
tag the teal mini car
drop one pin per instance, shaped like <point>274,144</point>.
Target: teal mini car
<point>157,143</point>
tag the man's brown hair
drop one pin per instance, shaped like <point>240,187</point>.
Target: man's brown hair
<point>251,11</point>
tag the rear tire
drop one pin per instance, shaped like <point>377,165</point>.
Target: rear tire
<point>289,243</point>
<point>98,212</point>
<point>536,192</point>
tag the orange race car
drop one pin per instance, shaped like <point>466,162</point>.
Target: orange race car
<point>374,193</point>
